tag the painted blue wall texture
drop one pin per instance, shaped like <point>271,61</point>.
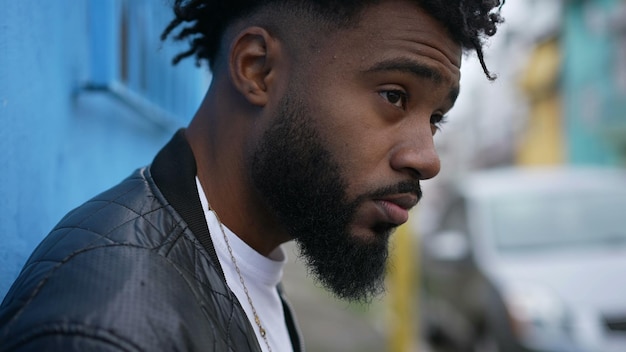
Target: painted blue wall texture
<point>87,94</point>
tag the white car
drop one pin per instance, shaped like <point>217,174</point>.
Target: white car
<point>529,260</point>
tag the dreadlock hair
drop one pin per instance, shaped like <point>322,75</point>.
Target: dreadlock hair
<point>203,22</point>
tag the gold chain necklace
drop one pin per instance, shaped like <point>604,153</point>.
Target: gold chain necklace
<point>257,320</point>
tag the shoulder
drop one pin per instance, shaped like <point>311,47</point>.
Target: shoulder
<point>122,271</point>
<point>119,295</point>
<point>132,213</point>
<point>115,270</point>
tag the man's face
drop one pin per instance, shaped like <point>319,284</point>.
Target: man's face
<point>340,163</point>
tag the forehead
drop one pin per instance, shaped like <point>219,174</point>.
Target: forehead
<point>398,30</point>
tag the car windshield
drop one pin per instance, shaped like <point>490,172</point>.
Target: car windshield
<point>548,221</point>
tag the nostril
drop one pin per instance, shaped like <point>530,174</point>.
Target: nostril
<point>415,174</point>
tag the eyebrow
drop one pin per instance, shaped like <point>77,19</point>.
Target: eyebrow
<point>415,68</point>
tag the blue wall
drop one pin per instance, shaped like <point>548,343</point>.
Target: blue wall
<point>60,144</point>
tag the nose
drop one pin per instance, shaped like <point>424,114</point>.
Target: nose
<point>416,155</point>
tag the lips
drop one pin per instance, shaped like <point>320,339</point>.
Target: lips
<point>396,208</point>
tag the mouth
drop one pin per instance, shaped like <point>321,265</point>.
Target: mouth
<point>396,208</point>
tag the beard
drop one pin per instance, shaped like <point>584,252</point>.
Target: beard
<point>302,184</point>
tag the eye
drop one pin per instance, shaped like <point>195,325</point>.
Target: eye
<point>436,121</point>
<point>397,98</point>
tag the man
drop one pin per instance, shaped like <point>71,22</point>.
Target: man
<point>317,127</point>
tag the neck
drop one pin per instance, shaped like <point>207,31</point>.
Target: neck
<point>215,136</point>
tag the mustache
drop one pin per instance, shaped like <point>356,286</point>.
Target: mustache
<point>410,186</point>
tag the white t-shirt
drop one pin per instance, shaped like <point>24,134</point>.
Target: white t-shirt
<point>261,275</point>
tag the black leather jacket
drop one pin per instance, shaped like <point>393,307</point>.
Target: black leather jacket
<point>133,269</point>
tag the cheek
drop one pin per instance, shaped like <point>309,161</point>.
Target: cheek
<point>358,143</point>
<point>352,127</point>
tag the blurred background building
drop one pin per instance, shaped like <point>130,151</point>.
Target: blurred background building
<point>560,96</point>
<point>559,100</point>
<point>87,94</point>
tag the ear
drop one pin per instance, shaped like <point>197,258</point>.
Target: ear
<point>251,64</point>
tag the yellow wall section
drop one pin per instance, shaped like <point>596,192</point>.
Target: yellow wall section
<point>542,141</point>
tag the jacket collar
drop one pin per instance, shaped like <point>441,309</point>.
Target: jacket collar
<point>174,172</point>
